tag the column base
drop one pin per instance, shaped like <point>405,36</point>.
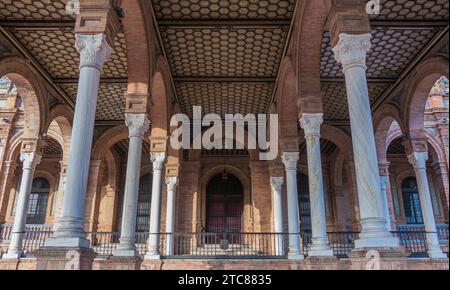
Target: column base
<point>152,257</point>
<point>436,253</point>
<point>379,259</point>
<point>51,258</point>
<point>118,263</point>
<point>295,257</point>
<point>57,242</point>
<point>375,235</point>
<point>125,253</point>
<point>319,252</point>
<point>12,256</point>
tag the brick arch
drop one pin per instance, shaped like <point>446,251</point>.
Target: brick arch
<point>159,107</point>
<point>338,137</point>
<point>107,140</point>
<point>383,120</point>
<point>286,100</point>
<point>436,151</point>
<point>29,87</point>
<point>14,147</point>
<point>135,25</point>
<point>426,75</point>
<point>306,39</point>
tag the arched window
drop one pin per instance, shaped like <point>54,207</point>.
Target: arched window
<point>37,207</point>
<point>411,202</point>
<point>304,202</point>
<point>144,204</point>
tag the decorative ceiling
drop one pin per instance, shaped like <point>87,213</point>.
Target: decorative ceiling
<point>401,31</point>
<point>224,55</point>
<point>45,31</point>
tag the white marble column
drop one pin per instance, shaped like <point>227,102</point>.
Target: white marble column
<point>351,52</point>
<point>290,160</point>
<point>158,159</point>
<point>94,52</point>
<point>384,184</point>
<point>30,161</point>
<point>418,161</point>
<point>311,125</point>
<point>171,183</point>
<point>277,189</point>
<point>138,125</point>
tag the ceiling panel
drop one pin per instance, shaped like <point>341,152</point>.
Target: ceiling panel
<point>224,51</point>
<point>225,98</point>
<point>392,51</point>
<point>335,99</point>
<point>224,9</point>
<point>55,50</point>
<point>34,10</point>
<point>111,100</point>
<point>413,10</point>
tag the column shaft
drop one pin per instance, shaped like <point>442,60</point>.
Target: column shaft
<point>351,52</point>
<point>30,161</point>
<point>290,161</point>
<point>155,211</point>
<point>311,125</point>
<point>277,184</point>
<point>94,52</point>
<point>171,183</point>
<point>138,125</point>
<point>418,160</point>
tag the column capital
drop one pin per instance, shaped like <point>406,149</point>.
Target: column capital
<point>30,160</point>
<point>94,50</point>
<point>352,49</point>
<point>138,124</point>
<point>277,183</point>
<point>418,160</point>
<point>171,183</point>
<point>311,123</point>
<point>158,159</point>
<point>290,160</point>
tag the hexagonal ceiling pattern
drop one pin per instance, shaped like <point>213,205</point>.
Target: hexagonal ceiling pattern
<point>224,51</point>
<point>394,47</point>
<point>224,9</point>
<point>335,99</point>
<point>392,50</point>
<point>225,97</point>
<point>34,10</point>
<point>53,48</point>
<point>413,10</point>
<point>211,39</point>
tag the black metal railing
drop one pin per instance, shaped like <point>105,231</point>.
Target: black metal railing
<point>227,245</point>
<point>413,241</point>
<point>340,242</point>
<point>231,245</point>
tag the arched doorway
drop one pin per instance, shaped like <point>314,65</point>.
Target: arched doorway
<point>224,204</point>
<point>411,202</point>
<point>37,208</point>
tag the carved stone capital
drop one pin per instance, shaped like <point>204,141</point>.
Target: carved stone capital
<point>30,160</point>
<point>138,124</point>
<point>290,160</point>
<point>351,50</point>
<point>171,183</point>
<point>94,50</point>
<point>418,160</point>
<point>311,123</point>
<point>276,183</point>
<point>158,159</point>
